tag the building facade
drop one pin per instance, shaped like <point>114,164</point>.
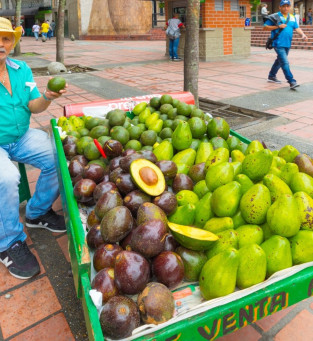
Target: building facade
<point>223,31</point>
<point>31,11</point>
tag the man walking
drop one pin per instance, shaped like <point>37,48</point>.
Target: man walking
<point>36,29</point>
<point>287,24</point>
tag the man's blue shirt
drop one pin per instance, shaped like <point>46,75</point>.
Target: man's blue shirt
<point>285,37</point>
<point>14,111</point>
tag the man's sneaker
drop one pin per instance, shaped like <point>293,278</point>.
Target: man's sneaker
<point>273,80</point>
<point>20,262</point>
<point>50,221</point>
<point>294,85</point>
<point>178,59</point>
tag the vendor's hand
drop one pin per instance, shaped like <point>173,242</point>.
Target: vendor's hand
<point>54,95</point>
<point>304,37</point>
<point>282,25</point>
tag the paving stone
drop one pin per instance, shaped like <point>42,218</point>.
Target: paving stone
<point>55,328</point>
<point>28,305</point>
<point>300,328</point>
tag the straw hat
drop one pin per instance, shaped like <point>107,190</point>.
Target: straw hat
<point>6,26</point>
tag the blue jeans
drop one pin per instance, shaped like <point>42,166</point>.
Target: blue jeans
<point>310,20</point>
<point>282,62</point>
<point>173,46</point>
<point>36,34</point>
<point>33,148</point>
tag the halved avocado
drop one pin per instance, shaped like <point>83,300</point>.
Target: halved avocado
<point>148,177</point>
<point>192,238</point>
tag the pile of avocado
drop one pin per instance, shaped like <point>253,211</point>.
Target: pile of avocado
<point>176,188</point>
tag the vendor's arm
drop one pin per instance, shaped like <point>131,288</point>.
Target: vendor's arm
<point>41,103</point>
<point>300,32</point>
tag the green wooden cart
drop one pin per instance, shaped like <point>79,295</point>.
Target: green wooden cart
<point>206,325</point>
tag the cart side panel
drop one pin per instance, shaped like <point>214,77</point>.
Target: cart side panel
<point>125,104</point>
<point>78,250</point>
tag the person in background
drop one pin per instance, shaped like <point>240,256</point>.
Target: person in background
<point>49,34</point>
<point>297,15</point>
<point>20,98</point>
<point>173,26</point>
<point>45,28</point>
<point>35,30</point>
<point>310,16</point>
<point>282,43</point>
<point>52,26</point>
<point>264,12</point>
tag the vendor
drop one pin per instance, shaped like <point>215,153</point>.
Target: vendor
<point>20,98</point>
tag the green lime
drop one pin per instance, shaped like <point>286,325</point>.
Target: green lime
<point>134,132</point>
<point>165,108</point>
<point>166,99</point>
<point>103,139</point>
<point>83,131</point>
<point>165,133</point>
<point>197,127</point>
<point>148,137</point>
<point>91,122</point>
<point>183,109</point>
<point>91,152</point>
<point>197,113</point>
<point>99,131</point>
<point>56,84</point>
<point>133,144</point>
<point>82,143</point>
<point>155,102</point>
<point>120,134</point>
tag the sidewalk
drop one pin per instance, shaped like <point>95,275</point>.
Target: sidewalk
<point>46,307</point>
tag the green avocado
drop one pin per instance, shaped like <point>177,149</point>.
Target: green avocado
<point>225,199</point>
<point>255,203</point>
<point>203,210</point>
<point>256,165</point>
<point>184,215</point>
<point>193,262</point>
<point>278,254</point>
<point>252,266</point>
<point>218,275</point>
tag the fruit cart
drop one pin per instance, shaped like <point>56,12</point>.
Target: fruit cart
<point>210,320</point>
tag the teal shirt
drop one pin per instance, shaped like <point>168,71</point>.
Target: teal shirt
<point>14,112</point>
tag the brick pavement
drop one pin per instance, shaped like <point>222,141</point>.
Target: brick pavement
<point>31,310</point>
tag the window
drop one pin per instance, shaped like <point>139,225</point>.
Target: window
<point>242,12</point>
<point>219,5</point>
<point>234,5</point>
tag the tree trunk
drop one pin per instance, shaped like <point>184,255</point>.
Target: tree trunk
<point>191,53</point>
<point>60,32</point>
<point>17,48</point>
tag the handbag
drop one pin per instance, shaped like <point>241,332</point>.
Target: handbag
<point>269,42</point>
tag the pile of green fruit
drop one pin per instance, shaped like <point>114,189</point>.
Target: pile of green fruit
<point>225,213</point>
